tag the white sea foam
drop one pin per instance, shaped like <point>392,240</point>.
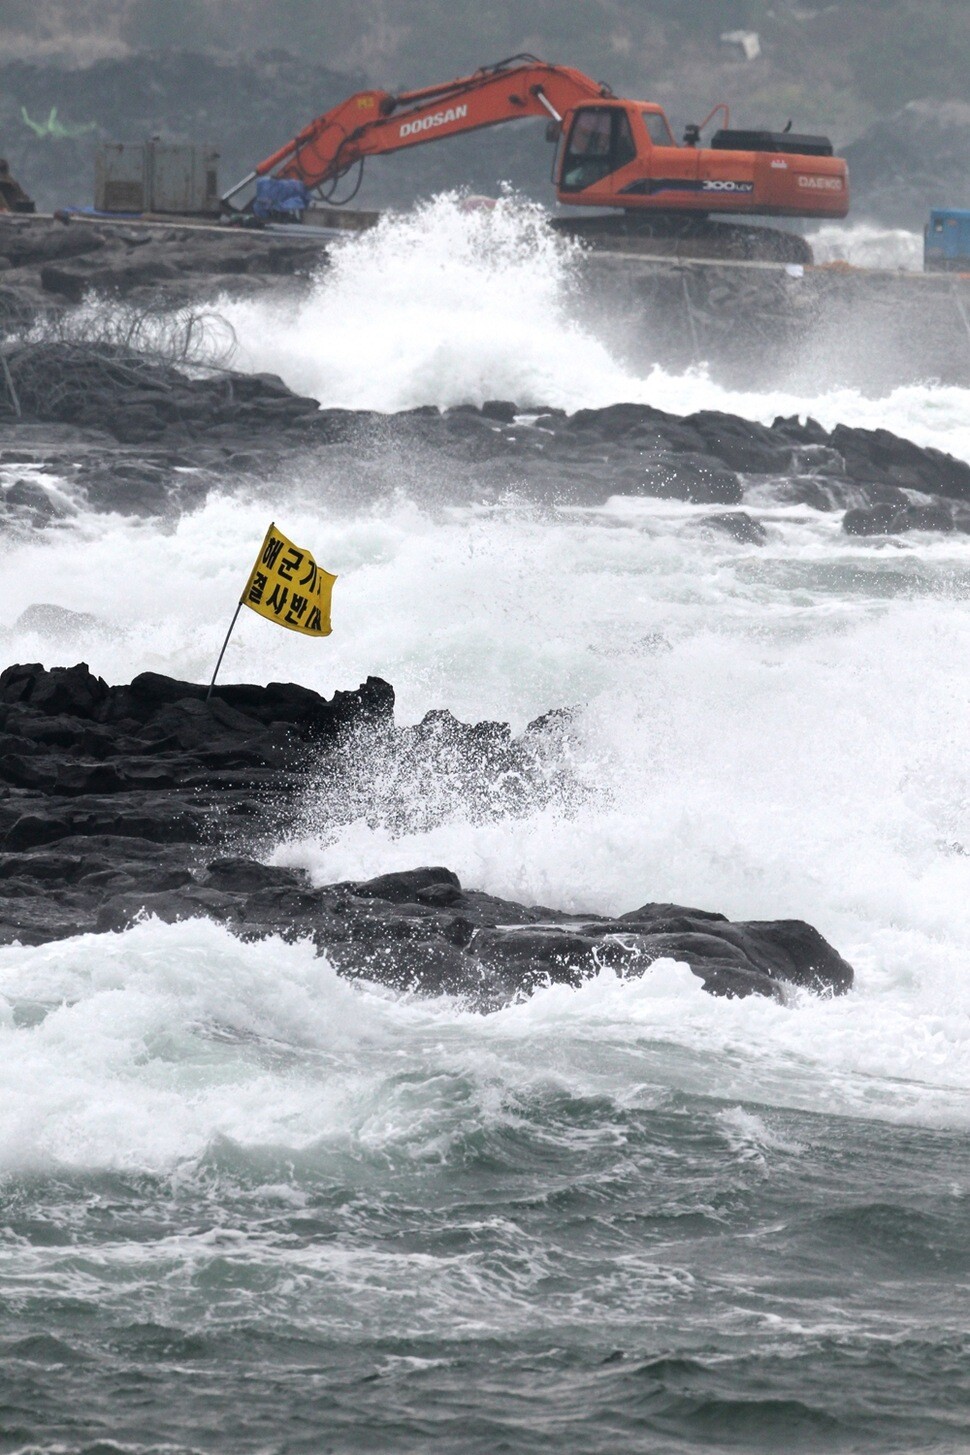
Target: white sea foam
<point>868,245</point>
<point>502,610</point>
<point>143,1050</point>
<point>442,306</point>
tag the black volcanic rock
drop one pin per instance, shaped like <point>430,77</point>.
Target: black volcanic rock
<point>873,520</point>
<point>228,422</point>
<point>891,518</point>
<point>66,259</point>
<point>148,798</point>
<point>136,398</point>
<point>737,525</point>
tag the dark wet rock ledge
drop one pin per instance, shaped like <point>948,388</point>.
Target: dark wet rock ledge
<point>125,433</point>
<point>117,802</point>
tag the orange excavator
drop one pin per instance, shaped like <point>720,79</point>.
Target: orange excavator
<point>611,153</point>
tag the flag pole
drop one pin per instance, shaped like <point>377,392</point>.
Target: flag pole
<point>225,644</point>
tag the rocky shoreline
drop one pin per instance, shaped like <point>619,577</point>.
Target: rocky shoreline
<point>47,265</point>
<point>120,424</point>
<point>117,802</point>
<point>147,798</point>
<point>140,436</point>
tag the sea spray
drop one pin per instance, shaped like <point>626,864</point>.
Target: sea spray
<point>141,1051</point>
<point>444,306</point>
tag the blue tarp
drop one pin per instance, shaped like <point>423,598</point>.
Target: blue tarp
<point>280,197</point>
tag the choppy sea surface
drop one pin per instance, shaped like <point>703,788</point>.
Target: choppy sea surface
<point>248,1206</point>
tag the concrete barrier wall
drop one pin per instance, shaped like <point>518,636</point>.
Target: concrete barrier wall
<point>763,325</point>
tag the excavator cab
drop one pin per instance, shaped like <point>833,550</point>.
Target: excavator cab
<point>620,150</point>
<point>619,153</point>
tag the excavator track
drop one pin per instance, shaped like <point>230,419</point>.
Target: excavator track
<point>658,236</point>
<point>677,236</point>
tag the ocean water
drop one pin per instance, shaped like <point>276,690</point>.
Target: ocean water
<point>249,1206</point>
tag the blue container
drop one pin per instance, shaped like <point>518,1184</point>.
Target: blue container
<point>946,241</point>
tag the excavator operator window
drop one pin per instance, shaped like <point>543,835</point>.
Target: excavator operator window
<point>657,128</point>
<point>600,141</point>
<point>624,147</point>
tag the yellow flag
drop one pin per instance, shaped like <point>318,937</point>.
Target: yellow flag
<point>287,586</point>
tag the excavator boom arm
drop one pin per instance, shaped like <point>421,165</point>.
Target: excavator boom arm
<point>375,123</point>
